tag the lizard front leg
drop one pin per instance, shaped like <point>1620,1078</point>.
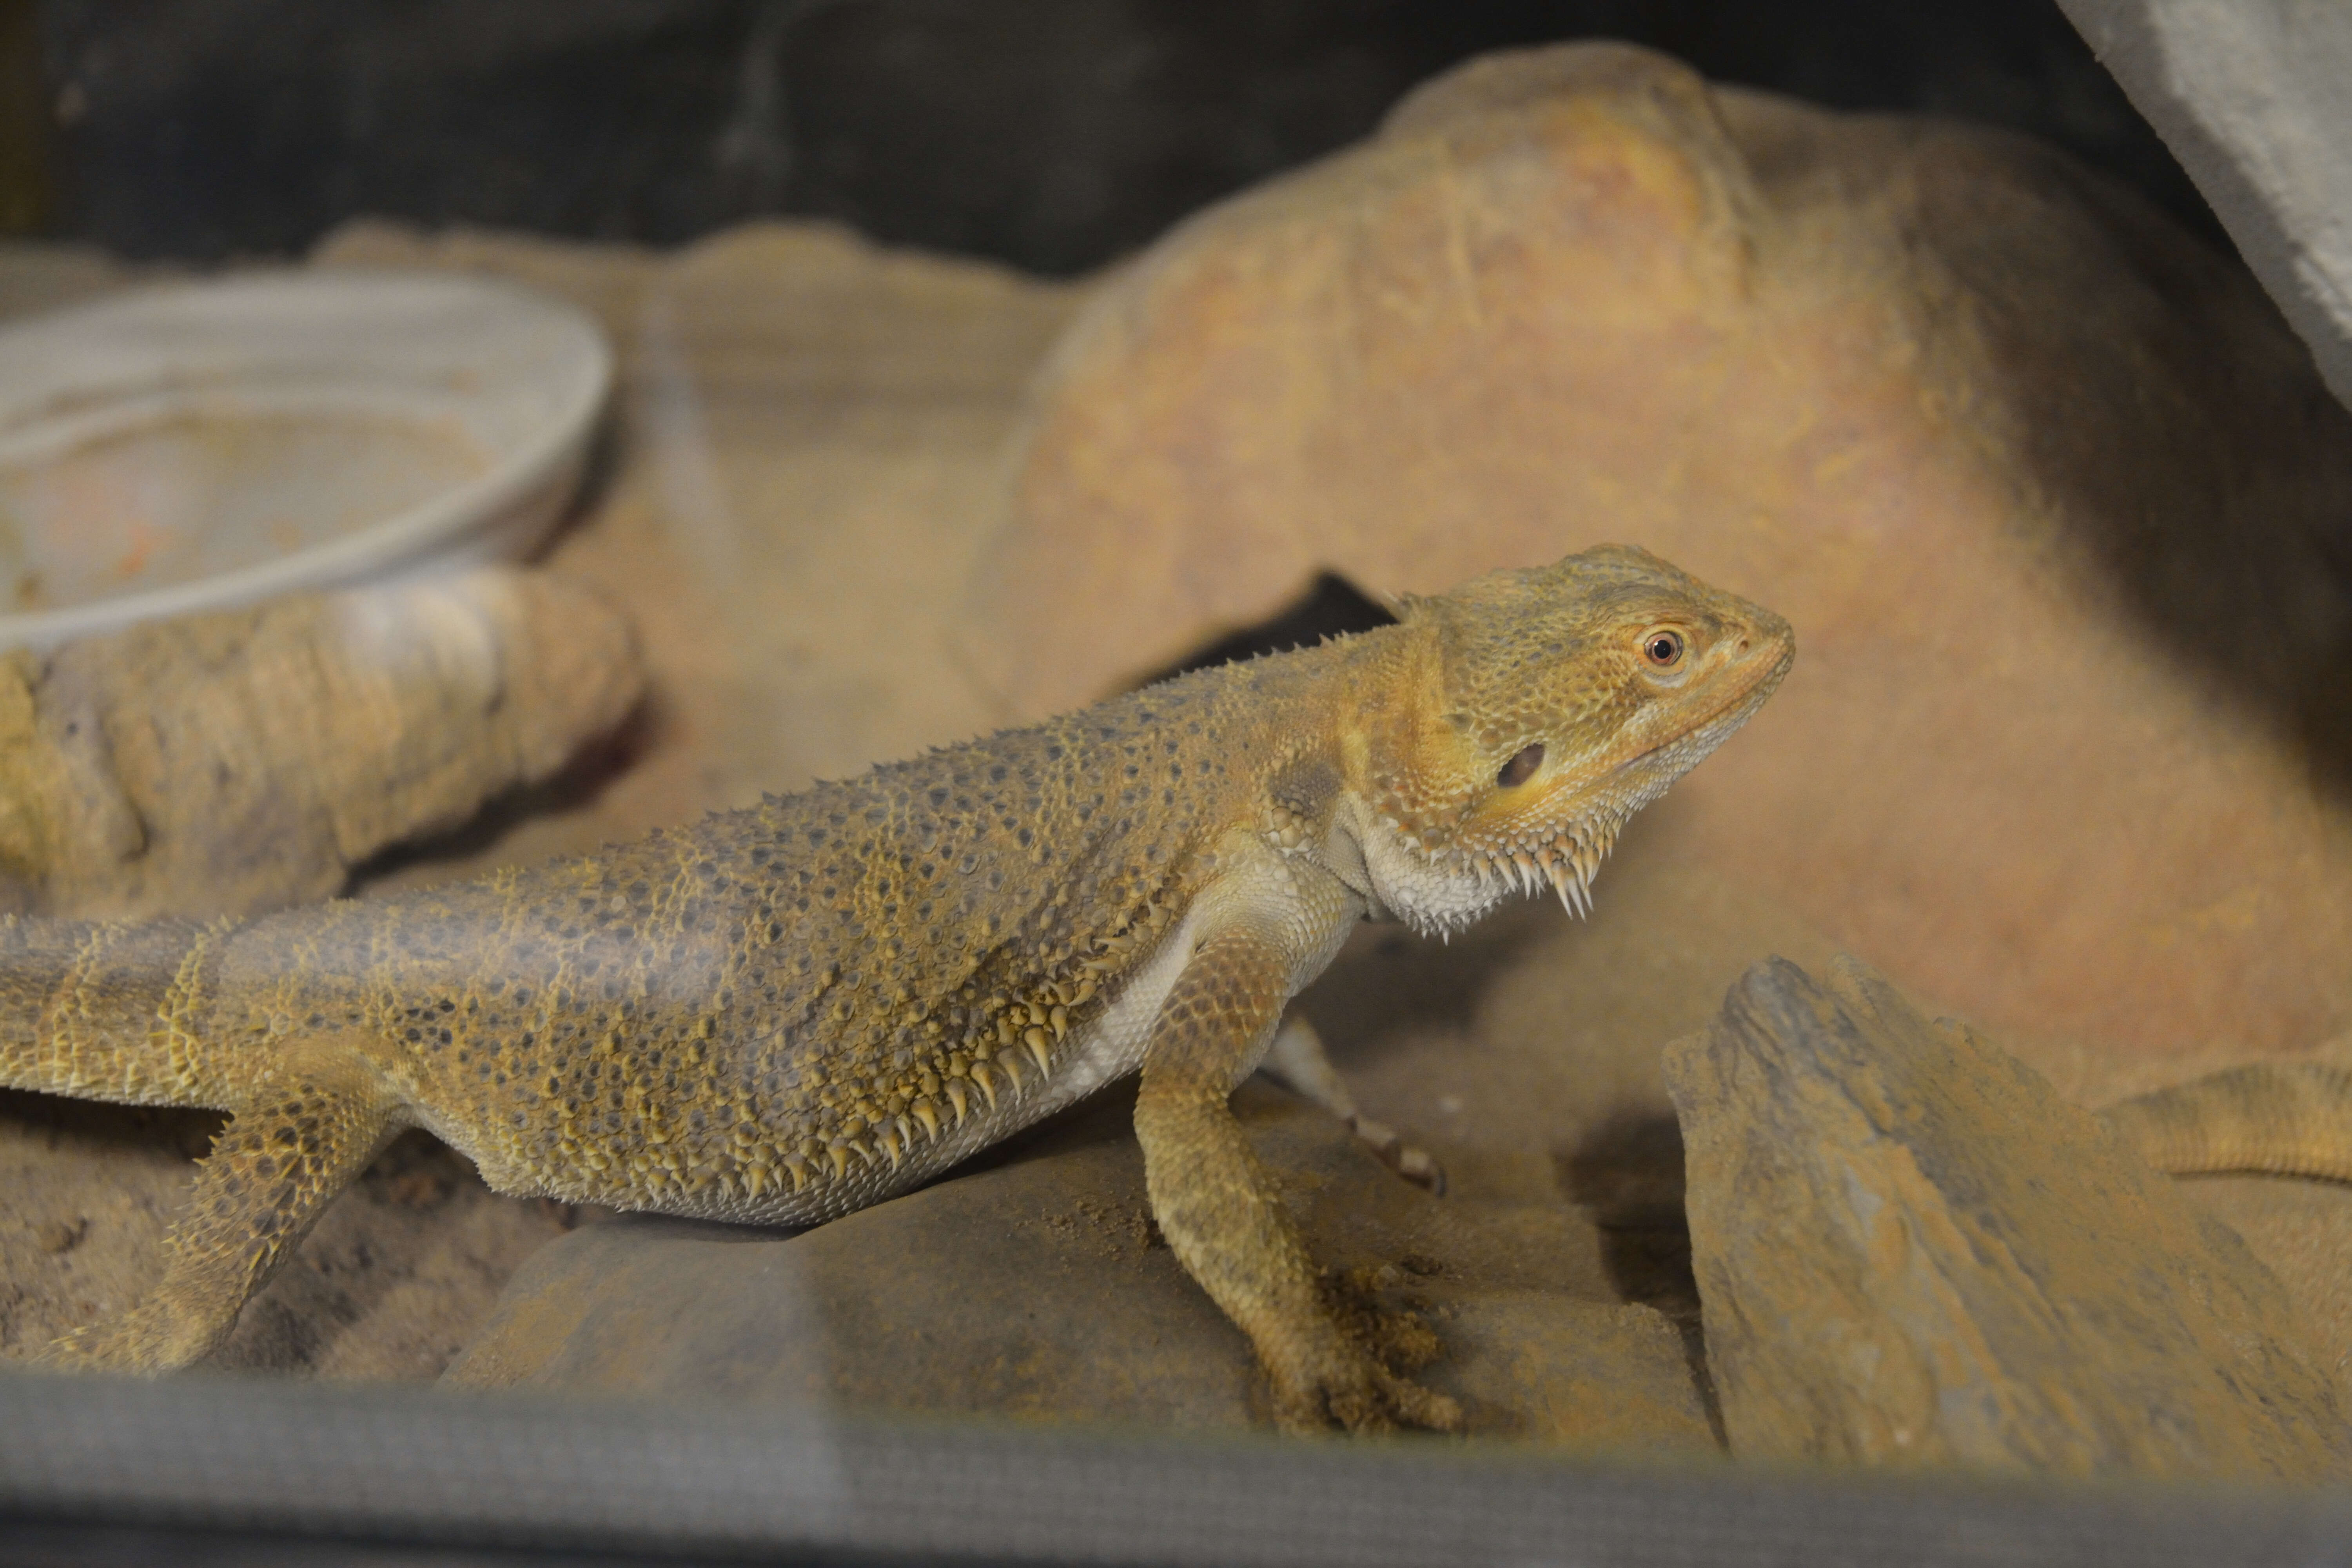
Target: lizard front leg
<point>1219,1209</point>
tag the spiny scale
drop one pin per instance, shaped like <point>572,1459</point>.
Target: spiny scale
<point>1566,865</point>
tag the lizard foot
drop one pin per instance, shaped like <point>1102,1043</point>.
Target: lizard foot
<point>79,1350</point>
<point>270,1172</point>
<point>1298,1059</point>
<point>141,1340</point>
<point>1355,1378</point>
<point>1414,1164</point>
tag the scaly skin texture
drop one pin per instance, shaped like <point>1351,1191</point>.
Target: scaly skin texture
<point>2281,1119</point>
<point>786,1012</point>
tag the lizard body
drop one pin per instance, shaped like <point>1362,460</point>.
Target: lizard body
<point>788,1011</point>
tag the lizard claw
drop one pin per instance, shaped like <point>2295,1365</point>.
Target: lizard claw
<point>1348,1387</point>
<point>1297,1059</point>
<point>86,1349</point>
<point>144,1340</point>
<point>1353,1375</point>
<point>1416,1165</point>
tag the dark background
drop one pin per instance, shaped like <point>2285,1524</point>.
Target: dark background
<point>1053,135</point>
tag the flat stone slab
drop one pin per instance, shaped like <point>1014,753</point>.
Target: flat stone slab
<point>1038,1285</point>
<point>1910,1250</point>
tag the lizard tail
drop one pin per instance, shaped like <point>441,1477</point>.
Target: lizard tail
<point>111,1010</point>
<point>2286,1119</point>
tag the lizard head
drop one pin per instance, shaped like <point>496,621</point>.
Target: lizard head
<point>1541,708</point>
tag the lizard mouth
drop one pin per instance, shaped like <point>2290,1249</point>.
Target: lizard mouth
<point>1568,856</point>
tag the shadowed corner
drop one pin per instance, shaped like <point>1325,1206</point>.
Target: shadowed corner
<point>1627,1172</point>
<point>2175,435</point>
<point>27,192</point>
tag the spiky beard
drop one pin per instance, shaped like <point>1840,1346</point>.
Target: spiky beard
<point>1566,863</point>
<point>1438,889</point>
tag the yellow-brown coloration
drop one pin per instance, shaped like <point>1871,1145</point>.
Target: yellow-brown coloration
<point>789,1012</point>
<point>2282,1119</point>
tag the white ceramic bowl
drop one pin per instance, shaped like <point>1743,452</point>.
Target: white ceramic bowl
<point>200,446</point>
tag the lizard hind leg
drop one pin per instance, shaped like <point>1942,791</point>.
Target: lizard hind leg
<point>1298,1061</point>
<point>267,1179</point>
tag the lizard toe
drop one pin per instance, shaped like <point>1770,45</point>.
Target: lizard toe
<point>1364,1398</point>
<point>1397,1336</point>
<point>1418,1407</point>
<point>150,1339</point>
<point>1414,1163</point>
<point>1419,1167</point>
<point>1351,1380</point>
<point>94,1348</point>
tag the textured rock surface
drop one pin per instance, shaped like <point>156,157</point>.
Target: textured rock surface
<point>2025,466</point>
<point>1038,1285</point>
<point>1911,1251</point>
<point>245,760</point>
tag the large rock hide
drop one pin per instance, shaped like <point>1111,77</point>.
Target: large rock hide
<point>2059,508</point>
<point>1911,1251</point>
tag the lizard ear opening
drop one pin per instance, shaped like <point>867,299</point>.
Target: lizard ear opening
<point>1522,767</point>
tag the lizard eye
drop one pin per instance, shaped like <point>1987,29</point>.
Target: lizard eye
<point>1663,648</point>
<point>1520,768</point>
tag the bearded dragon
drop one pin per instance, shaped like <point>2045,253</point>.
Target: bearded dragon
<point>788,1011</point>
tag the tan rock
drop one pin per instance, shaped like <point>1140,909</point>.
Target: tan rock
<point>2059,508</point>
<point>240,761</point>
<point>2302,1231</point>
<point>1039,1287</point>
<point>1912,1252</point>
